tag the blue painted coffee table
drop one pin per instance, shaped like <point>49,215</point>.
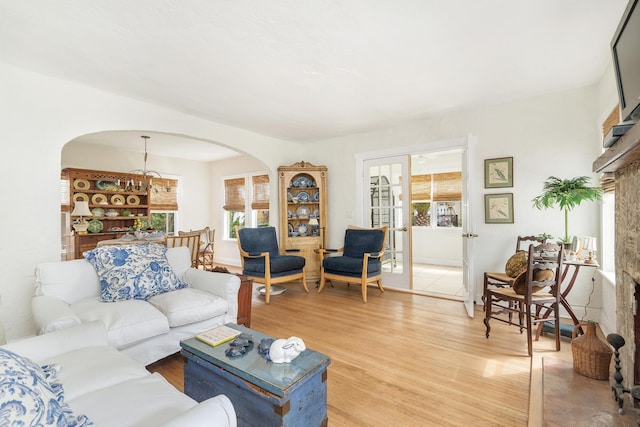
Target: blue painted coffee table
<point>263,393</point>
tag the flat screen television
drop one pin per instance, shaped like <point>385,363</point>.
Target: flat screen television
<point>625,47</point>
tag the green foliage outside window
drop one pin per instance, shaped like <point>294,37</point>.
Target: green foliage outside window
<point>235,218</point>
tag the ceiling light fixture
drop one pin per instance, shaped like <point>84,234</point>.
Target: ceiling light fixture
<point>144,181</point>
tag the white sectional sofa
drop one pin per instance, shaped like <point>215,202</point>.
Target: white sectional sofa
<point>68,293</point>
<point>98,382</point>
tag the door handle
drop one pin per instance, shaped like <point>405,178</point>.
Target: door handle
<point>469,235</point>
<point>405,229</point>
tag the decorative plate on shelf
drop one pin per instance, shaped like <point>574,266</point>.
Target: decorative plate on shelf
<point>303,211</point>
<point>303,196</point>
<point>301,182</point>
<point>133,200</point>
<point>95,226</point>
<point>107,185</point>
<point>303,229</point>
<point>99,199</point>
<point>97,212</point>
<point>290,228</point>
<point>80,197</point>
<point>289,196</point>
<point>81,184</point>
<point>117,199</point>
<point>144,224</point>
<point>316,196</point>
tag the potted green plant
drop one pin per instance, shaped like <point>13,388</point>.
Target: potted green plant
<point>566,194</point>
<point>545,236</point>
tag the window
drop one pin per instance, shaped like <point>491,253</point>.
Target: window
<point>608,231</point>
<point>163,205</point>
<point>436,200</point>
<point>239,213</point>
<point>164,221</point>
<point>260,200</point>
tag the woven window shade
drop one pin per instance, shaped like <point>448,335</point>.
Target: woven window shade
<point>164,200</point>
<point>608,183</point>
<point>234,194</point>
<point>260,198</point>
<point>421,187</point>
<point>447,187</point>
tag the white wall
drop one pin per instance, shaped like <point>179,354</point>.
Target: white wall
<point>39,115</point>
<point>441,246</point>
<point>554,134</point>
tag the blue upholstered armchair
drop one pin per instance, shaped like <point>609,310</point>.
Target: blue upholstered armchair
<point>259,249</point>
<point>360,260</point>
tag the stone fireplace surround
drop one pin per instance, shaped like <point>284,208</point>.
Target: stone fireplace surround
<point>623,160</point>
<point>627,251</point>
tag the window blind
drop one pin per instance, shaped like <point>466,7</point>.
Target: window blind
<point>421,187</point>
<point>608,182</point>
<point>234,194</point>
<point>164,200</point>
<point>447,187</point>
<point>260,198</point>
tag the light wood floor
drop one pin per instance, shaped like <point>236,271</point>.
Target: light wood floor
<point>402,359</point>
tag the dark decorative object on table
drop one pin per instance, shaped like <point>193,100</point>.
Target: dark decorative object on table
<point>264,346</point>
<point>241,345</point>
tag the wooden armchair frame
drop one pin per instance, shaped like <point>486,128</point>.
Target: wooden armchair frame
<point>364,279</point>
<point>268,279</point>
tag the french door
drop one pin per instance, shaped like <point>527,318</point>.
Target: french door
<point>468,227</point>
<point>387,203</point>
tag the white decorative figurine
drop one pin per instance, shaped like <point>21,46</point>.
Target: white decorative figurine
<point>284,351</point>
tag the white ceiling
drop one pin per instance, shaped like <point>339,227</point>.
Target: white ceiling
<point>306,70</point>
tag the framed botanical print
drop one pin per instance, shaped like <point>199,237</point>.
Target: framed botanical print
<point>498,173</point>
<point>498,208</point>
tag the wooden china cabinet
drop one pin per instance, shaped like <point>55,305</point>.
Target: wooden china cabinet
<point>303,211</point>
<point>116,207</point>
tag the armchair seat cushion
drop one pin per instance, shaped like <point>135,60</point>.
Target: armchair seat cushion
<point>350,266</point>
<point>280,265</point>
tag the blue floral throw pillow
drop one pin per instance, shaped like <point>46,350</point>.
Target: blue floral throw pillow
<point>134,271</point>
<point>28,396</point>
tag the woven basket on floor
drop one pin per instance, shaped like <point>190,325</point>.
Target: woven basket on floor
<point>591,356</point>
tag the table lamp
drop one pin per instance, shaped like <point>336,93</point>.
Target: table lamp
<point>589,245</point>
<point>313,222</point>
<point>81,209</point>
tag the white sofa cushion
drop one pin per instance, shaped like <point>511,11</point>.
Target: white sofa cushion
<point>71,281</point>
<point>87,369</point>
<point>188,305</point>
<point>126,321</point>
<point>134,271</point>
<point>140,402</point>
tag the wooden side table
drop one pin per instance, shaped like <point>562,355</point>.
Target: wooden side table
<point>244,296</point>
<point>244,300</point>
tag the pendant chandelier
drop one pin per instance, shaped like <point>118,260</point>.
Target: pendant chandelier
<point>143,178</point>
